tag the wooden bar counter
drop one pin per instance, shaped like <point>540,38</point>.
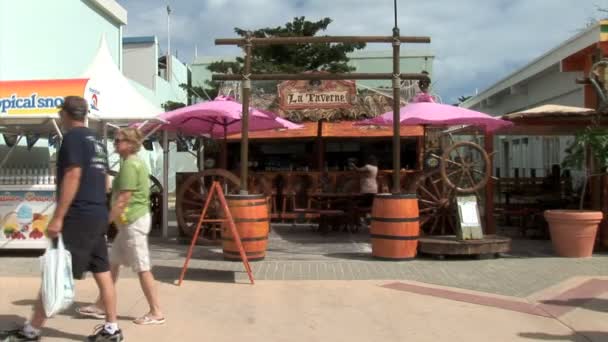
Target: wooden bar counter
<point>288,192</point>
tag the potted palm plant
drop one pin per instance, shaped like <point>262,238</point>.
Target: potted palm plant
<point>573,232</point>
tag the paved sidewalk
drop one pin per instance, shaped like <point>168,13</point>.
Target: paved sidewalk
<point>306,311</point>
<point>328,288</point>
<point>300,254</point>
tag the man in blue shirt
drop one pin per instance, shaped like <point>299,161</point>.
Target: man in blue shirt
<point>81,216</point>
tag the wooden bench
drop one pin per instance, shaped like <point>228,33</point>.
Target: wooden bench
<point>329,218</point>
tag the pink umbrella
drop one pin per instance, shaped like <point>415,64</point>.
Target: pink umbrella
<point>219,118</point>
<point>431,113</point>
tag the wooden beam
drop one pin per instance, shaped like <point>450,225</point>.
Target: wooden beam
<point>585,80</point>
<point>317,76</point>
<point>308,131</point>
<point>320,147</point>
<point>576,61</point>
<point>603,47</point>
<point>245,97</point>
<point>320,40</point>
<point>589,93</point>
<point>572,64</point>
<point>396,114</point>
<point>224,154</point>
<point>346,129</point>
<point>420,152</point>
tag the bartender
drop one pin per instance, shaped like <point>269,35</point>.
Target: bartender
<point>367,181</point>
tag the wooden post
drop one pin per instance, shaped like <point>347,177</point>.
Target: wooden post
<point>556,179</point>
<point>489,203</point>
<point>246,84</point>
<point>224,149</point>
<point>497,186</point>
<point>396,76</point>
<point>396,112</point>
<point>320,147</point>
<point>420,151</point>
<point>200,155</point>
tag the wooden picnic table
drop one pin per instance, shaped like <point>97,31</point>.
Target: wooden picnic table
<point>336,196</point>
<point>338,208</point>
<point>528,208</point>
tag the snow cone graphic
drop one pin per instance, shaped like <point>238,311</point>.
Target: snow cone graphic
<point>25,216</point>
<point>10,225</point>
<point>39,226</point>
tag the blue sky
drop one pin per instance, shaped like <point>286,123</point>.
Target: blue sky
<point>476,42</point>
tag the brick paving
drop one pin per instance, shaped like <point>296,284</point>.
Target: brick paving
<point>298,253</point>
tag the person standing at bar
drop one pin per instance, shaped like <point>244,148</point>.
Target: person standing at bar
<point>367,179</point>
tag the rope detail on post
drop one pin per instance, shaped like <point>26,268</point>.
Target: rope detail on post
<point>248,40</point>
<point>396,41</point>
<point>397,81</point>
<point>247,81</point>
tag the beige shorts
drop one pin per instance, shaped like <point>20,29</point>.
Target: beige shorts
<point>130,246</point>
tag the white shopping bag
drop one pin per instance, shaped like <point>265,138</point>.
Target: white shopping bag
<point>57,279</point>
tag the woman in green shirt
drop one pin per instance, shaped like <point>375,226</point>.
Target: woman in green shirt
<point>131,214</point>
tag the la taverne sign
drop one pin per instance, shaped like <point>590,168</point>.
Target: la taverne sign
<point>316,94</point>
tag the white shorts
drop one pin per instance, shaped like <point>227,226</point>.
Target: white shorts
<point>130,246</point>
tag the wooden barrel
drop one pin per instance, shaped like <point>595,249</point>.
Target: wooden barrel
<point>250,214</point>
<point>395,226</point>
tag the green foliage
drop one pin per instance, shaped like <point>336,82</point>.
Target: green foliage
<point>596,139</point>
<point>200,92</point>
<point>170,105</point>
<point>302,57</point>
<point>289,58</point>
<point>463,98</point>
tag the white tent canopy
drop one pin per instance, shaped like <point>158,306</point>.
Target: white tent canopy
<point>111,96</point>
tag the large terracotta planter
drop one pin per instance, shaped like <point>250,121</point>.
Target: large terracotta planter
<point>573,232</point>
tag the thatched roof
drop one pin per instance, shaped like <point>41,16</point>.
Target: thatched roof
<point>550,110</point>
<point>554,120</point>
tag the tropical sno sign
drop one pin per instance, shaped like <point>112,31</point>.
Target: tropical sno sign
<point>43,96</point>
